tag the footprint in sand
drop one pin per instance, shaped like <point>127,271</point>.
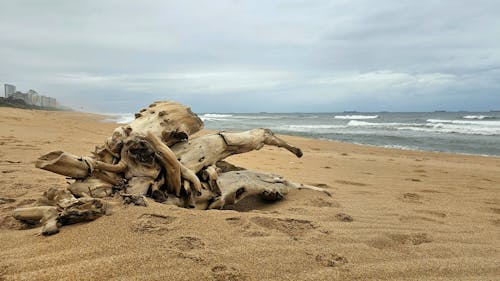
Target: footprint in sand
<point>195,258</point>
<point>224,273</point>
<point>411,198</point>
<point>323,202</point>
<point>291,227</point>
<point>344,217</point>
<point>187,243</point>
<point>395,240</point>
<point>153,224</point>
<point>331,260</point>
<point>247,229</point>
<point>413,239</point>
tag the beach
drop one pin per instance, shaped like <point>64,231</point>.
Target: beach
<point>393,215</point>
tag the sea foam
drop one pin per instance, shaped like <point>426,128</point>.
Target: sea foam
<point>485,128</point>
<point>120,118</point>
<point>310,128</point>
<point>355,123</point>
<point>215,117</point>
<point>477,117</point>
<point>466,122</point>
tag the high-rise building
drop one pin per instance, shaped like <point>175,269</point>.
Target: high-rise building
<point>9,90</point>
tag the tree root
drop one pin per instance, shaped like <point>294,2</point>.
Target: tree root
<point>152,156</point>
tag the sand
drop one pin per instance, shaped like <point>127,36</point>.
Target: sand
<point>394,215</point>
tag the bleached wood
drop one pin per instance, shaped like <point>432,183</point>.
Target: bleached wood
<point>154,156</point>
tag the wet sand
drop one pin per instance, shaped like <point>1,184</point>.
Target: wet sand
<point>394,215</point>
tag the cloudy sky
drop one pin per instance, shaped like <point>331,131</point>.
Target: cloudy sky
<point>251,56</point>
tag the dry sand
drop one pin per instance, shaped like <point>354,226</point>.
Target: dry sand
<point>415,216</point>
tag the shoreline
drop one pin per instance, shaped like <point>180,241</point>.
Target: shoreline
<point>127,117</point>
<point>110,119</point>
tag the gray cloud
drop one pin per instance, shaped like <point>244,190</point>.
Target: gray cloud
<point>115,56</point>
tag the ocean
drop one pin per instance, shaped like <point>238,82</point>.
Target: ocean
<point>455,132</point>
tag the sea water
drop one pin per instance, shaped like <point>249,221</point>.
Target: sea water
<point>456,132</point>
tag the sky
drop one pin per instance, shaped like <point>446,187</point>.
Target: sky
<point>253,56</point>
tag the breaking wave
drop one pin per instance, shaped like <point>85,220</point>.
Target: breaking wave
<point>457,129</point>
<point>120,118</point>
<point>310,128</point>
<point>355,123</point>
<point>486,128</point>
<point>466,122</point>
<point>215,117</point>
<point>478,117</point>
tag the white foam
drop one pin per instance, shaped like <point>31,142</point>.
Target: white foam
<point>477,117</point>
<point>402,147</point>
<point>453,128</point>
<point>120,118</point>
<point>355,123</point>
<point>215,117</point>
<point>356,117</point>
<point>310,128</point>
<point>466,122</point>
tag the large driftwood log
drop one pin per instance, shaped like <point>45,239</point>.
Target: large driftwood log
<point>153,156</point>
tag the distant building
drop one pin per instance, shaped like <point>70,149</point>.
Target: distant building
<point>45,101</point>
<point>31,97</point>
<point>9,90</point>
<point>20,96</point>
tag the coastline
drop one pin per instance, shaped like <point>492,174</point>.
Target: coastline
<point>416,215</point>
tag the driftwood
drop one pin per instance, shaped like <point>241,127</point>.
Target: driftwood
<point>154,157</point>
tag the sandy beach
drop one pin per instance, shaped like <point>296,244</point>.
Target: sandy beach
<point>394,215</point>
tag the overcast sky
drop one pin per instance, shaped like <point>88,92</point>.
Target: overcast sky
<point>251,56</point>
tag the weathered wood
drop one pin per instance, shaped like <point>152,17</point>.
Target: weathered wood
<point>153,156</point>
<point>170,121</point>
<point>237,185</point>
<point>169,162</point>
<point>207,150</point>
<point>47,215</point>
<point>64,164</point>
